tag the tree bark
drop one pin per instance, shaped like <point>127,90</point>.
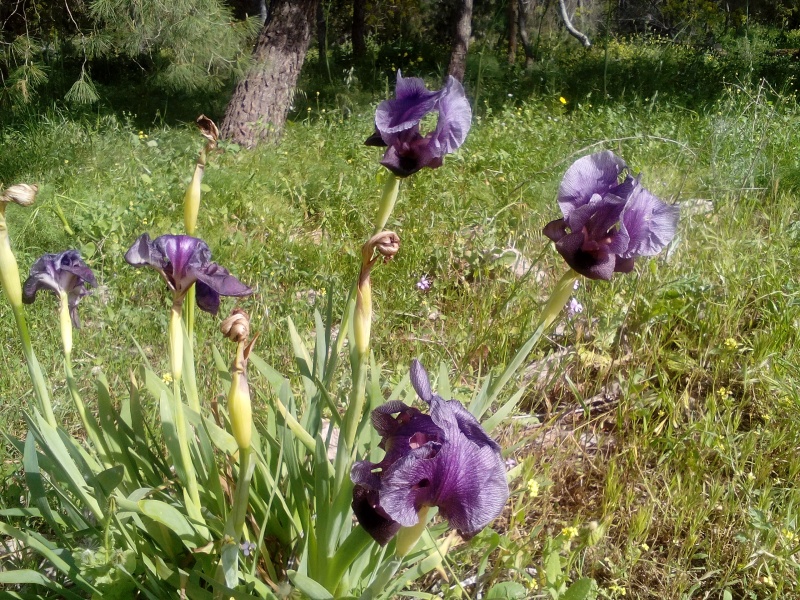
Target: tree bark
<point>463,31</point>
<point>522,16</point>
<point>359,24</point>
<point>581,37</point>
<point>257,111</point>
<point>513,26</point>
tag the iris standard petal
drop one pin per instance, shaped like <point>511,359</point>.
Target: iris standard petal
<point>144,253</point>
<point>650,223</point>
<point>455,119</point>
<point>594,174</point>
<point>411,103</point>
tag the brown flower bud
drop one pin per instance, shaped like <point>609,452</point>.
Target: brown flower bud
<point>22,193</point>
<point>209,130</point>
<point>385,243</point>
<point>237,326</point>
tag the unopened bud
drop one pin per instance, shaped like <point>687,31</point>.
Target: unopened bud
<point>385,243</point>
<point>209,129</point>
<point>237,326</point>
<point>22,194</point>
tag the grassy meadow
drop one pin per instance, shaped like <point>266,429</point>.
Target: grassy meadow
<point>662,422</point>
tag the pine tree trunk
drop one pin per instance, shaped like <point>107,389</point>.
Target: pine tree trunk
<point>257,111</point>
<point>512,9</point>
<point>463,30</point>
<point>359,23</point>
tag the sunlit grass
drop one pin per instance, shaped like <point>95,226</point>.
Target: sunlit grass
<point>683,484</point>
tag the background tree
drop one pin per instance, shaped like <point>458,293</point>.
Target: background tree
<point>257,111</point>
<point>461,34</point>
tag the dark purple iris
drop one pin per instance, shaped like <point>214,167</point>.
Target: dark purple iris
<point>65,272</point>
<point>397,125</point>
<point>443,459</point>
<point>609,218</point>
<point>184,260</point>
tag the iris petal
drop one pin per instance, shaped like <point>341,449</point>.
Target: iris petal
<point>183,261</point>
<point>649,222</point>
<point>608,222</point>
<point>444,459</point>
<point>64,272</point>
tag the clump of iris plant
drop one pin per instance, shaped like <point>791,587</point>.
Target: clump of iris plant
<point>397,125</point>
<point>66,275</point>
<point>184,261</point>
<point>609,218</point>
<point>442,459</point>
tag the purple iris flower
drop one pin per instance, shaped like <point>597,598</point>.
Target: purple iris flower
<point>442,459</point>
<point>397,125</point>
<point>184,260</point>
<point>609,218</point>
<point>63,272</point>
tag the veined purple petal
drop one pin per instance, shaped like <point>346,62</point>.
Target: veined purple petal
<point>594,174</point>
<point>420,381</point>
<point>444,459</point>
<point>411,103</point>
<point>183,261</point>
<point>64,272</point>
<point>650,223</point>
<point>464,479</point>
<point>187,257</point>
<point>455,119</point>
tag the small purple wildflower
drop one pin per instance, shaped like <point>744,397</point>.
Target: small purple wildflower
<point>247,548</point>
<point>424,283</point>
<point>608,222</point>
<point>574,308</point>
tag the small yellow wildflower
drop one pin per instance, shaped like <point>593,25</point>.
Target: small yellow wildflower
<point>570,532</point>
<point>788,534</point>
<point>167,377</point>
<point>562,100</point>
<point>731,344</point>
<point>533,487</point>
<point>724,392</point>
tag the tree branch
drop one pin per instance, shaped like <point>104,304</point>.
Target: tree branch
<point>562,9</point>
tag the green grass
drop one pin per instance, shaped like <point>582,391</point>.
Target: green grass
<point>691,476</point>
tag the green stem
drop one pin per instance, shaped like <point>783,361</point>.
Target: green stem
<point>34,369</point>
<point>10,282</point>
<point>176,362</point>
<point>241,496</point>
<point>558,299</point>
<point>355,406</point>
<point>388,199</point>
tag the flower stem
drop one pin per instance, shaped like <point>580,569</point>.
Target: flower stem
<point>355,406</point>
<point>388,199</point>
<point>184,458</point>
<point>92,430</point>
<point>558,299</point>
<point>10,282</point>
